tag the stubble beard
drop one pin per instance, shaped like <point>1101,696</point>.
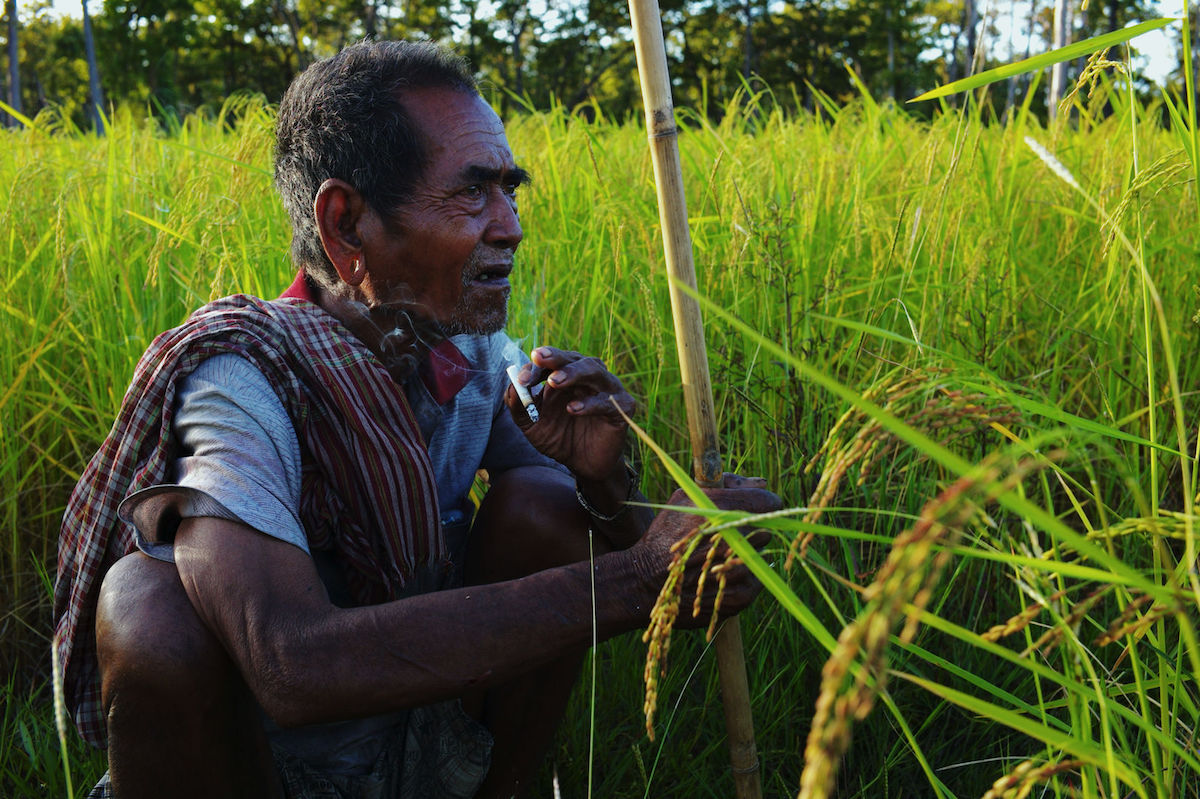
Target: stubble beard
<point>476,316</point>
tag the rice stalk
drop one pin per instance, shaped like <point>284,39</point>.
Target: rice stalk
<point>1090,76</point>
<point>1125,625</point>
<point>666,607</point>
<point>1153,179</point>
<point>1021,781</point>
<point>1022,620</point>
<point>856,672</point>
<point>61,719</point>
<point>1055,634</point>
<point>662,622</point>
<point>921,398</point>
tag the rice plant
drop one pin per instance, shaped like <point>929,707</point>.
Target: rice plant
<point>968,377</point>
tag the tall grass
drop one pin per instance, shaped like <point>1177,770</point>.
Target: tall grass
<point>972,381</point>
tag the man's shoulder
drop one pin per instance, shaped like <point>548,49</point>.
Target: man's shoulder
<point>235,307</point>
<point>268,320</point>
<point>290,336</point>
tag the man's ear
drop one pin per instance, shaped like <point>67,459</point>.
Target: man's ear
<point>339,209</point>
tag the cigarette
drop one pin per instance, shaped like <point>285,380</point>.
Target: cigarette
<point>523,392</point>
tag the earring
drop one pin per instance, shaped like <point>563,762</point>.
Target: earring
<point>357,269</point>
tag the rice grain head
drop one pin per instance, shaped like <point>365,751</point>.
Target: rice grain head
<point>1021,781</point>
<point>923,399</point>
<point>856,671</point>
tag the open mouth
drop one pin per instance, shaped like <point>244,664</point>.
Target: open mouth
<point>494,274</point>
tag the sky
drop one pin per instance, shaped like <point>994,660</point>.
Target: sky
<point>1158,52</point>
<point>1158,46</point>
<point>1158,60</point>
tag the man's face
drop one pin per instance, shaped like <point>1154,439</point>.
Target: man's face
<point>446,255</point>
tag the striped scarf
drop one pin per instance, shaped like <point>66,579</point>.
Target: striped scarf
<point>368,489</point>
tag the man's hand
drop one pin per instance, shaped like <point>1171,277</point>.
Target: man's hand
<point>580,428</point>
<point>653,552</point>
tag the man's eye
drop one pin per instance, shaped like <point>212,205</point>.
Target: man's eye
<point>474,191</point>
<point>511,188</point>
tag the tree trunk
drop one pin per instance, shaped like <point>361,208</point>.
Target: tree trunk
<point>1010,93</point>
<point>291,19</point>
<point>891,54</point>
<point>516,28</point>
<point>971,15</point>
<point>748,43</point>
<point>1058,71</point>
<point>14,69</point>
<point>1194,16</point>
<point>370,20</point>
<point>95,93</point>
<point>952,68</point>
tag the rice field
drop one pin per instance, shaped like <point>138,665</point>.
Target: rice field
<point>966,366</point>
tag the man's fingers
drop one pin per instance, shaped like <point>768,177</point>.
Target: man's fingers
<point>741,587</point>
<point>581,385</point>
<point>531,374</point>
<point>751,499</point>
<point>602,405</point>
<point>550,359</point>
<point>545,361</point>
<point>738,481</point>
<point>564,369</point>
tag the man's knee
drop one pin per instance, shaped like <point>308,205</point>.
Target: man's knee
<point>178,713</point>
<point>529,520</point>
<point>149,638</point>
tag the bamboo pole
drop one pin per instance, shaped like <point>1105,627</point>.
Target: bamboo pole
<point>693,361</point>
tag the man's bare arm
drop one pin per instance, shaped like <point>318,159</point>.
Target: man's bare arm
<point>308,661</point>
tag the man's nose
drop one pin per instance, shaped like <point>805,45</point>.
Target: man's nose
<point>504,229</point>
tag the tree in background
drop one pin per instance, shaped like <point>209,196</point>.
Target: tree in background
<point>14,69</point>
<point>95,94</point>
<point>884,41</point>
<point>1058,72</point>
<point>52,54</point>
<point>174,57</point>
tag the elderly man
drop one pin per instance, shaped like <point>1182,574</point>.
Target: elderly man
<point>271,546</point>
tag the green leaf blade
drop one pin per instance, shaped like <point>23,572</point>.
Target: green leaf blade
<point>1038,62</point>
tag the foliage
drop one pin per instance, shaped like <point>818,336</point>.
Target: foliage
<point>170,58</point>
<point>1000,569</point>
<point>182,56</point>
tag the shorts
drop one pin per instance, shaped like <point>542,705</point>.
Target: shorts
<point>439,753</point>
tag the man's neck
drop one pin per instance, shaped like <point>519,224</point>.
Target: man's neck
<point>397,337</point>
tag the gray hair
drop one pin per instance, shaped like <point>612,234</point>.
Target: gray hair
<point>344,118</point>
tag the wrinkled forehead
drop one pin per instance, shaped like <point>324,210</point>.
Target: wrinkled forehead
<point>458,126</point>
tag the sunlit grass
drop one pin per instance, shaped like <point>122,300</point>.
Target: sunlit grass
<point>1046,331</point>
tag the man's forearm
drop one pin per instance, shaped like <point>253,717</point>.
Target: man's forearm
<point>308,661</point>
<point>474,637</point>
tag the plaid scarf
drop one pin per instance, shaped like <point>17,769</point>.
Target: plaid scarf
<point>368,489</point>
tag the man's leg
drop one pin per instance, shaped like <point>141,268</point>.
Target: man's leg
<point>181,722</point>
<point>529,521</point>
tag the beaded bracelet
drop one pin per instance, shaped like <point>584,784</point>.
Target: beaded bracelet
<point>587,506</point>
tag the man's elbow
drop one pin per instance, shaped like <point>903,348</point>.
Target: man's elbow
<point>287,684</point>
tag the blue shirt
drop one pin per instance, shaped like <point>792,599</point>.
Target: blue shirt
<point>240,459</point>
